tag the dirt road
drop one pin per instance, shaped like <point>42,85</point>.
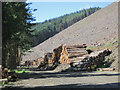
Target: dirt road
<point>50,79</point>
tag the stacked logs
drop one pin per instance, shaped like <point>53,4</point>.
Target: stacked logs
<point>66,53</point>
<point>9,76</point>
<point>48,58</point>
<point>91,61</point>
<point>63,55</point>
<point>47,64</point>
<point>76,56</point>
<point>36,62</point>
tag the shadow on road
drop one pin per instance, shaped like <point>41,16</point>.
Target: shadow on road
<point>61,74</point>
<point>109,86</point>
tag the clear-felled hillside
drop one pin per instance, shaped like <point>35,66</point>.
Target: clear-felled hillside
<point>49,28</point>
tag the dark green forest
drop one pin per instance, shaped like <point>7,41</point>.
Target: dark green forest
<point>50,27</point>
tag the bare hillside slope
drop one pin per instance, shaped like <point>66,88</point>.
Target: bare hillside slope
<point>95,27</point>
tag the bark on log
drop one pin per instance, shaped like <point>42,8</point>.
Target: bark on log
<point>5,73</point>
<point>76,46</point>
<point>71,55</point>
<point>48,58</point>
<point>5,79</point>
<point>39,61</point>
<point>77,52</point>
<point>106,69</point>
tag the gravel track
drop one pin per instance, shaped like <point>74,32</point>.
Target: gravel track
<point>50,79</point>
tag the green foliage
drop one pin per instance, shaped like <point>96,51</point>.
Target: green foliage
<point>3,82</point>
<point>50,27</point>
<point>89,47</point>
<point>16,32</point>
<point>108,62</point>
<point>24,67</point>
<point>119,41</point>
<point>19,71</point>
<point>108,44</point>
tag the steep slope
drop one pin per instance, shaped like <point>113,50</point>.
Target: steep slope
<point>49,28</point>
<point>96,27</point>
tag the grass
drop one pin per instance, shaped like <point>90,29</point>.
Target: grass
<point>24,67</point>
<point>89,47</point>
<point>3,83</point>
<point>108,45</point>
<point>118,42</point>
<point>19,71</point>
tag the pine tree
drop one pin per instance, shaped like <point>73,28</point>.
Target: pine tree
<point>16,32</point>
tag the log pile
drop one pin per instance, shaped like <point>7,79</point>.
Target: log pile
<point>76,56</point>
<point>5,73</point>
<point>47,64</point>
<point>66,53</point>
<point>8,76</point>
<point>106,69</point>
<point>48,58</point>
<point>36,62</point>
<point>91,61</point>
<point>28,63</point>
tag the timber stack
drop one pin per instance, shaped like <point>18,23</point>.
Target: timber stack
<point>48,58</point>
<point>76,56</point>
<point>9,76</point>
<point>64,54</point>
<point>92,61</point>
<point>47,64</point>
<point>68,53</point>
